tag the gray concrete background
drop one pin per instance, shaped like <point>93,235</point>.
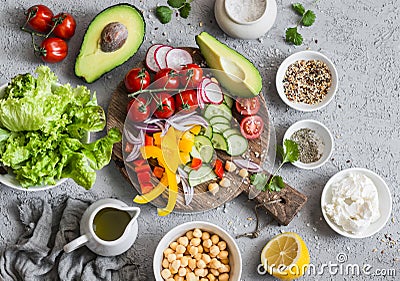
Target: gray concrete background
<point>361,37</point>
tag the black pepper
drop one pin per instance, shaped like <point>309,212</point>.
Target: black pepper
<point>310,145</point>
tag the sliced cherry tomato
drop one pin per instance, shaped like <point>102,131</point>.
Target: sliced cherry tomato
<point>196,163</point>
<point>166,78</point>
<point>138,109</point>
<point>141,169</point>
<point>248,106</point>
<point>53,50</point>
<point>191,74</point>
<point>39,18</point>
<point>148,140</point>
<point>219,168</point>
<point>136,79</point>
<point>65,25</point>
<point>139,162</point>
<point>251,127</point>
<point>164,105</point>
<point>146,187</point>
<point>186,101</point>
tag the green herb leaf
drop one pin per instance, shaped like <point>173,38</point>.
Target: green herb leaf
<point>308,18</point>
<point>176,3</point>
<point>299,8</point>
<point>293,36</point>
<point>185,10</point>
<point>164,14</point>
<point>259,181</point>
<point>276,184</point>
<point>291,151</point>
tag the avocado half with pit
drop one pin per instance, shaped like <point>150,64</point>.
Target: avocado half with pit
<point>240,77</point>
<point>112,37</point>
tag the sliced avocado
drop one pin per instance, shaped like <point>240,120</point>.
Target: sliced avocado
<point>242,79</point>
<point>112,37</point>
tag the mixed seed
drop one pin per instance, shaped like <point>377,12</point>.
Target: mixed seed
<point>307,81</point>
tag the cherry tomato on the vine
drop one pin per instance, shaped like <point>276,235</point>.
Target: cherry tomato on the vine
<point>192,75</point>
<point>53,50</point>
<point>136,79</point>
<point>65,25</point>
<point>251,127</point>
<point>164,105</point>
<point>39,18</point>
<point>138,109</point>
<point>186,101</point>
<point>167,78</point>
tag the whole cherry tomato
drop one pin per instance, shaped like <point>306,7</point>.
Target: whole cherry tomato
<point>164,105</point>
<point>136,79</point>
<point>251,127</point>
<point>65,25</point>
<point>191,74</point>
<point>39,18</point>
<point>248,106</point>
<point>53,50</point>
<point>166,78</point>
<point>186,101</point>
<point>138,109</point>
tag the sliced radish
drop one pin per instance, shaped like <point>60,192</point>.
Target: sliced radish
<point>177,58</point>
<point>150,60</point>
<point>200,89</point>
<point>200,100</point>
<point>159,55</point>
<point>213,92</point>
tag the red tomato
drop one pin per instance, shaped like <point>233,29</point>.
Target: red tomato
<point>138,109</point>
<point>137,79</point>
<point>196,163</point>
<point>166,78</point>
<point>192,73</point>
<point>53,50</point>
<point>186,101</point>
<point>65,25</point>
<point>248,106</point>
<point>251,127</point>
<point>39,18</point>
<point>164,105</point>
<point>219,168</point>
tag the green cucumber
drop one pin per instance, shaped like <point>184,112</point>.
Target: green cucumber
<point>201,175</point>
<point>208,132</point>
<point>217,110</point>
<point>228,101</point>
<point>195,153</point>
<point>204,147</point>
<point>219,142</point>
<point>230,132</point>
<point>219,119</point>
<point>237,145</point>
<point>221,127</point>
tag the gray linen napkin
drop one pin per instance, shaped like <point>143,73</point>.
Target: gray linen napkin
<point>38,254</point>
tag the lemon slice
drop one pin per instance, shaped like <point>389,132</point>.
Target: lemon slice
<point>286,256</point>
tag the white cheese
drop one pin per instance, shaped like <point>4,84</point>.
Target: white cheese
<point>355,203</point>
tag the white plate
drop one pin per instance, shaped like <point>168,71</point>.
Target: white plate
<point>322,131</point>
<point>385,202</point>
<point>306,55</point>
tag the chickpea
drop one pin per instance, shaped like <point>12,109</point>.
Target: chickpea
<point>178,278</point>
<point>243,173</point>
<point>224,268</point>
<point>166,273</point>
<point>223,277</point>
<point>182,271</point>
<point>206,258</point>
<point>204,279</point>
<point>180,249</point>
<point>225,261</point>
<point>211,277</point>
<point>225,182</point>
<point>192,264</point>
<point>175,265</point>
<point>191,277</point>
<point>201,249</point>
<point>184,261</point>
<point>165,263</point>
<point>173,245</point>
<point>189,234</point>
<point>195,242</point>
<point>215,272</point>
<point>215,239</point>
<point>179,256</point>
<point>215,264</point>
<point>200,272</point>
<point>193,251</point>
<point>214,251</point>
<point>201,264</point>
<point>205,235</point>
<point>197,257</point>
<point>197,233</point>
<point>222,245</point>
<point>230,166</point>
<point>183,241</point>
<point>170,279</point>
<point>223,255</point>
<point>207,243</point>
<point>168,251</point>
<point>213,188</point>
<point>171,257</point>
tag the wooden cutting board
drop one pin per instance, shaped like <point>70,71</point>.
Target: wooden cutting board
<point>291,200</point>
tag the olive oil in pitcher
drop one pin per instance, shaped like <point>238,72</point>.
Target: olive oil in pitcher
<point>109,223</point>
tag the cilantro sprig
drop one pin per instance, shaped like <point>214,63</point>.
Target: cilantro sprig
<point>164,13</point>
<point>307,19</point>
<point>289,154</point>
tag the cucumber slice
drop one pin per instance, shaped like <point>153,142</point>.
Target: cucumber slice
<point>219,142</point>
<point>202,175</point>
<point>204,147</point>
<point>217,110</point>
<point>237,145</point>
<point>208,132</point>
<point>221,127</point>
<point>195,153</point>
<point>231,132</point>
<point>219,119</point>
<point>228,101</point>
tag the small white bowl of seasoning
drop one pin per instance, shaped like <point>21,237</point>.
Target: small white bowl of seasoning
<point>315,143</point>
<point>245,19</point>
<point>307,81</point>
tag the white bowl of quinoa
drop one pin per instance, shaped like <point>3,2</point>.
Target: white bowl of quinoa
<point>307,81</point>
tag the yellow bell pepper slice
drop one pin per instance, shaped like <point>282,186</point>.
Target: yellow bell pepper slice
<point>172,194</point>
<point>153,152</point>
<point>195,130</point>
<point>157,139</point>
<point>185,157</point>
<point>170,151</point>
<point>157,191</point>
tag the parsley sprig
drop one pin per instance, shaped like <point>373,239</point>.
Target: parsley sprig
<point>164,13</point>
<point>288,154</point>
<point>307,19</point>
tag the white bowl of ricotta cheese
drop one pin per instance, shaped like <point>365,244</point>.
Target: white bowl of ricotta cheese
<point>356,203</point>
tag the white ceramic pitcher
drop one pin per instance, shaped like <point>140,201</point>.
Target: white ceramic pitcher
<point>97,245</point>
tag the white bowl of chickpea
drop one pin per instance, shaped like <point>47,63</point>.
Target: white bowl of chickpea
<point>197,251</point>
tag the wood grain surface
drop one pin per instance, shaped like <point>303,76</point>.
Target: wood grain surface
<point>291,201</point>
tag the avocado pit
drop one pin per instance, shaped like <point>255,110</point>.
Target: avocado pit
<point>113,37</point>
